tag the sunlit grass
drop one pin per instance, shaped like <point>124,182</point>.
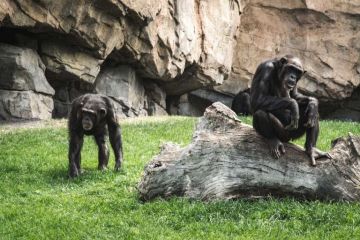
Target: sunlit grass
<point>38,201</point>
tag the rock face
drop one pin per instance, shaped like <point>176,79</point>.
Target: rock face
<point>16,105</point>
<point>162,37</point>
<point>65,62</point>
<point>195,102</point>
<point>324,34</point>
<point>122,84</point>
<point>180,46</point>
<point>162,41</point>
<point>24,90</point>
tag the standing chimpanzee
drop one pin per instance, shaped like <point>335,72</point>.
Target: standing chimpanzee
<point>280,112</point>
<point>241,103</point>
<point>93,114</point>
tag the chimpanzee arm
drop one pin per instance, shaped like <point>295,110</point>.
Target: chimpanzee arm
<point>114,134</point>
<point>312,107</point>
<point>302,99</point>
<point>75,145</point>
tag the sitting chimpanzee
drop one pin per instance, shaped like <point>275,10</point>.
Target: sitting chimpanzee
<point>93,114</point>
<point>241,103</point>
<point>280,112</point>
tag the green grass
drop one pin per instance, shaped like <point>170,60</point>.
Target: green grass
<point>38,201</point>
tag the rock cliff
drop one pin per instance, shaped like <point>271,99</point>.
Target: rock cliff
<point>151,57</point>
<point>324,34</point>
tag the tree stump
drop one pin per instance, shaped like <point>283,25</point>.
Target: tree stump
<point>228,160</point>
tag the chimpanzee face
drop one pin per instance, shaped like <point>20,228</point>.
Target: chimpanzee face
<point>88,119</point>
<point>291,76</point>
<point>291,72</point>
<point>91,117</point>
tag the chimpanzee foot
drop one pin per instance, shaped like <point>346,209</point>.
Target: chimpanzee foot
<point>321,154</point>
<point>74,173</point>
<point>315,153</point>
<point>117,166</point>
<point>102,167</point>
<point>276,147</point>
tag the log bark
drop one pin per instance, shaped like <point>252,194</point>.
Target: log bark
<point>227,159</point>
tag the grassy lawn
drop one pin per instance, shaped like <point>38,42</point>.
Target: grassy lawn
<point>38,201</point>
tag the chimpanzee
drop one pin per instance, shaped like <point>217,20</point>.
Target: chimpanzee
<point>93,114</point>
<point>241,103</point>
<point>280,112</point>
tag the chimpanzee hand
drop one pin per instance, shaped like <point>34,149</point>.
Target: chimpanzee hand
<point>294,122</point>
<point>312,115</point>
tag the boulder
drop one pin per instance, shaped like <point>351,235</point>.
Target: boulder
<point>22,105</point>
<point>156,98</point>
<point>155,93</point>
<point>125,87</point>
<point>24,90</point>
<point>22,69</point>
<point>155,109</point>
<point>64,62</point>
<point>195,102</point>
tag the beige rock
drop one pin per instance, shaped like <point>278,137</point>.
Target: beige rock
<point>162,37</point>
<point>188,44</point>
<point>183,45</point>
<point>324,34</point>
<point>85,22</point>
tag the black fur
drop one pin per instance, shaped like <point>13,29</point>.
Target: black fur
<point>280,112</point>
<point>95,111</point>
<point>241,103</point>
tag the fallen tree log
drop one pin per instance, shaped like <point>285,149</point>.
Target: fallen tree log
<point>228,160</point>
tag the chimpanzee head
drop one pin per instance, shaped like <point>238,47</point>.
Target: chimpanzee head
<point>290,71</point>
<point>91,114</point>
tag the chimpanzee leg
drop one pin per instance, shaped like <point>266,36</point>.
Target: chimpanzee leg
<point>310,144</point>
<point>78,157</point>
<point>312,133</point>
<point>272,129</point>
<point>103,154</point>
<point>116,143</point>
<point>75,145</point>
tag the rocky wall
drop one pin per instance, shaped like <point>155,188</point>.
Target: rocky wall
<point>161,42</point>
<point>153,50</point>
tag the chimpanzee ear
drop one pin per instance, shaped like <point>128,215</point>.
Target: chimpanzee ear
<point>103,111</point>
<point>283,60</point>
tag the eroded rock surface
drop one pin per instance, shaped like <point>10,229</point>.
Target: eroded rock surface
<point>324,34</point>
<point>24,90</point>
<point>185,45</point>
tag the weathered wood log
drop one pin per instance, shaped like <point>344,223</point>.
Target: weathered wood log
<point>228,159</point>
